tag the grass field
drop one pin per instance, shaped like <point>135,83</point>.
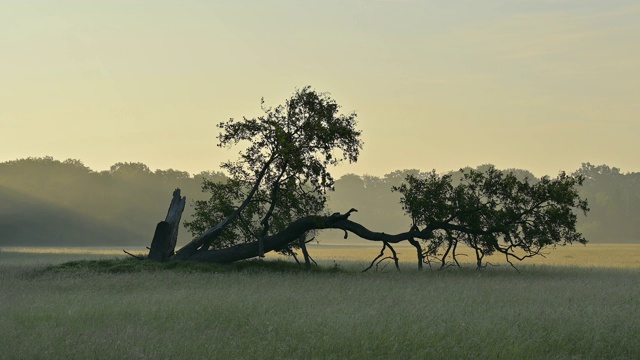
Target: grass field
<point>578,303</point>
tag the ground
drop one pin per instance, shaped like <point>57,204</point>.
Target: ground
<point>580,303</point>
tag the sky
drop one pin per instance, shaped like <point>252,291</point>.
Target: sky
<point>542,85</point>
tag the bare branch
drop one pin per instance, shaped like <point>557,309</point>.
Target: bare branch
<point>395,256</point>
<point>135,256</point>
<point>384,246</point>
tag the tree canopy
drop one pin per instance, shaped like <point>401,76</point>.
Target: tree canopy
<point>283,174</point>
<point>276,192</point>
<point>493,211</point>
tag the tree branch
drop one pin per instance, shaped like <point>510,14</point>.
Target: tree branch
<point>204,240</point>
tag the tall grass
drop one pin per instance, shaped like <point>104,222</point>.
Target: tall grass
<point>543,312</point>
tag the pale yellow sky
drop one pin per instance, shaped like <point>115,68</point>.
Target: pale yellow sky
<point>541,85</point>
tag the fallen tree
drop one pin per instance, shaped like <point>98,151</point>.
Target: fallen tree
<point>276,194</point>
<point>491,212</point>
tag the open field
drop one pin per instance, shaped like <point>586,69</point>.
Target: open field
<point>582,303</point>
<point>358,256</point>
<point>621,256</point>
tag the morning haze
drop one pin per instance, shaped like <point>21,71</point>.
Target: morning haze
<point>538,85</point>
<point>106,107</point>
<point>48,202</point>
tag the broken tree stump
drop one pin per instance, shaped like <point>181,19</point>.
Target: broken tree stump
<point>161,242</point>
<point>164,241</point>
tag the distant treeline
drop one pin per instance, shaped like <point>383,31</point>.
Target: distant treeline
<point>46,202</point>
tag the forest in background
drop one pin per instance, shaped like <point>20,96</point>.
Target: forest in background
<point>47,202</point>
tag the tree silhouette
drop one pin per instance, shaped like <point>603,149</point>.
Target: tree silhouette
<point>282,175</point>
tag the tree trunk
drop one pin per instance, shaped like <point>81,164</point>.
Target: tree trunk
<point>161,242</point>
<point>293,232</point>
<point>303,246</point>
<point>165,237</point>
<point>203,241</point>
<point>173,218</point>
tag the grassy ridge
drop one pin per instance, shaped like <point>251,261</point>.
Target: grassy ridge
<point>131,265</point>
<point>73,311</point>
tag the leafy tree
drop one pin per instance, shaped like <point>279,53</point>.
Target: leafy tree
<point>280,176</point>
<point>276,193</point>
<point>493,212</point>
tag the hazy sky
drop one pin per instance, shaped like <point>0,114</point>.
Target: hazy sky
<point>542,84</point>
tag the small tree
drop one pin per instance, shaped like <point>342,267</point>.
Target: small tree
<point>493,212</point>
<point>281,175</point>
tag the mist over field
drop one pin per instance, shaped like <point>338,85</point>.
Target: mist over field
<point>506,129</point>
<point>47,202</point>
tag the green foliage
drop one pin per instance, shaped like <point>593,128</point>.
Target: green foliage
<point>284,169</point>
<point>614,200</point>
<point>493,211</point>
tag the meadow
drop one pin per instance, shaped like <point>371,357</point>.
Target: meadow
<point>577,303</point>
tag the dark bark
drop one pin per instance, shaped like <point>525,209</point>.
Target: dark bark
<point>379,259</point>
<point>202,242</point>
<point>305,253</point>
<point>133,255</point>
<point>375,260</point>
<point>395,256</point>
<point>173,218</point>
<point>164,241</point>
<point>197,250</point>
<point>274,242</point>
<point>416,244</point>
<point>293,232</point>
<point>418,247</point>
<point>165,237</point>
<point>453,253</point>
<point>267,216</point>
<point>161,242</point>
<point>444,256</point>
